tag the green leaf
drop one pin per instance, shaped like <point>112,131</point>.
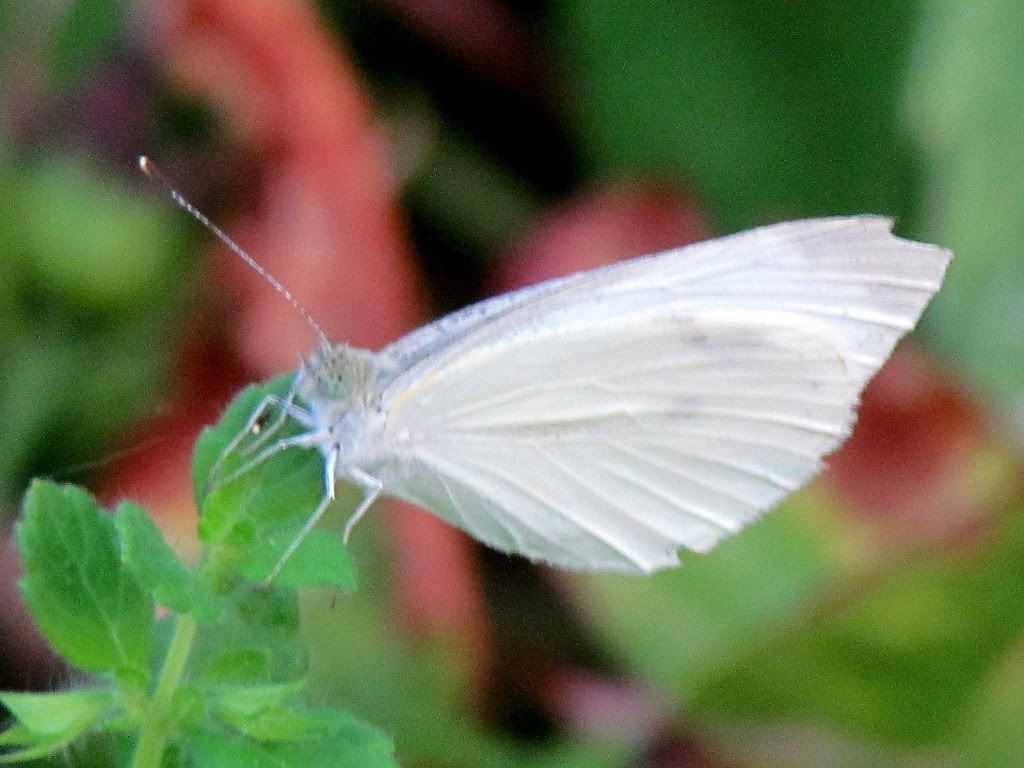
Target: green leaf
<point>394,681</point>
<point>89,606</point>
<point>47,722</point>
<point>41,748</point>
<point>320,560</point>
<point>17,736</point>
<point>262,712</point>
<point>114,288</point>
<point>347,741</point>
<point>217,750</point>
<point>33,400</point>
<point>236,664</point>
<point>276,724</point>
<point>213,440</point>
<point>768,109</point>
<point>51,714</point>
<point>281,724</point>
<point>360,661</point>
<point>246,700</point>
<point>147,555</point>
<point>249,522</point>
<point>255,638</point>
<point>342,741</point>
<point>189,706</point>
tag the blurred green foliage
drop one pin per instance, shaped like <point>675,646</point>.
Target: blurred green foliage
<point>83,33</point>
<point>993,735</point>
<point>966,106</point>
<point>769,110</point>
<point>91,293</point>
<point>679,627</point>
<point>900,657</point>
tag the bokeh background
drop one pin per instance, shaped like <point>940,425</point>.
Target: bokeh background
<point>389,160</point>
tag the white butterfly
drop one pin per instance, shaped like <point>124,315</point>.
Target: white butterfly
<point>608,419</point>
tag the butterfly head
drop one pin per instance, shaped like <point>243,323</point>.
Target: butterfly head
<point>336,374</point>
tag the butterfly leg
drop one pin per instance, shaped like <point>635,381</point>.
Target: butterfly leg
<point>286,408</point>
<point>305,440</point>
<point>330,467</point>
<point>372,488</point>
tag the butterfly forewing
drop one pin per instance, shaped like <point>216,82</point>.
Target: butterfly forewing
<point>607,419</point>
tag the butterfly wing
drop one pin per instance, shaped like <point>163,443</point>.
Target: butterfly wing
<point>607,420</point>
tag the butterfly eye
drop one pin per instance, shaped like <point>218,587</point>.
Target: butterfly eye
<point>333,385</point>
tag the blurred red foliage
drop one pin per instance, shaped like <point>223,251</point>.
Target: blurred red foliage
<point>601,227</point>
<point>907,465</point>
<point>326,222</point>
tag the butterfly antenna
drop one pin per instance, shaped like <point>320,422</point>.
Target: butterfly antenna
<point>153,173</point>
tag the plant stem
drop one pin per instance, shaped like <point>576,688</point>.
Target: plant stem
<point>157,723</point>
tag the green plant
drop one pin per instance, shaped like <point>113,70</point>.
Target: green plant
<point>217,678</point>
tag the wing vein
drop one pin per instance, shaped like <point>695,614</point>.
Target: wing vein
<point>698,512</point>
<point>746,469</point>
<point>580,482</point>
<point>456,472</point>
<point>590,530</point>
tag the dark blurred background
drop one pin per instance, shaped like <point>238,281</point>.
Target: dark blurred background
<point>392,159</point>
